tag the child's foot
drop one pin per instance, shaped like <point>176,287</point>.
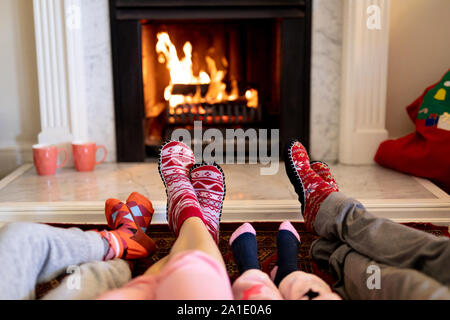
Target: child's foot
<point>245,247</point>
<point>288,242</point>
<point>311,189</point>
<point>141,208</point>
<point>175,160</point>
<point>126,240</point>
<point>323,170</point>
<point>209,185</point>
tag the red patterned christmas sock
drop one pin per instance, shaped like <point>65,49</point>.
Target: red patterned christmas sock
<point>142,209</point>
<point>176,158</point>
<point>127,240</point>
<point>323,170</point>
<point>310,187</point>
<point>209,184</point>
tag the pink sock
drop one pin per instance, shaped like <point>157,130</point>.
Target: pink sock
<point>286,225</point>
<point>246,227</point>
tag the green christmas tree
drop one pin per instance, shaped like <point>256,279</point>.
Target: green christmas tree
<point>437,100</point>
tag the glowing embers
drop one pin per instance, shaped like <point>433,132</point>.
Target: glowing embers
<point>207,89</point>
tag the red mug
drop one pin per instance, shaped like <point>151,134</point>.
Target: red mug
<point>84,155</point>
<point>45,158</point>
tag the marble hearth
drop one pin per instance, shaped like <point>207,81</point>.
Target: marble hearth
<point>78,197</point>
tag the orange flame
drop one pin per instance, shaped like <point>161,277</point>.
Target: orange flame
<point>181,72</point>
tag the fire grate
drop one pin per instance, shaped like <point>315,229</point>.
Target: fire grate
<point>231,112</point>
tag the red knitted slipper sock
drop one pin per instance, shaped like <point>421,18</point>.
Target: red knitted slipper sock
<point>175,160</point>
<point>209,184</point>
<point>310,187</point>
<point>323,170</point>
<point>127,240</point>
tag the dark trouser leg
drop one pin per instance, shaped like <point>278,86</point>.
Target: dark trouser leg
<point>345,220</point>
<point>359,277</point>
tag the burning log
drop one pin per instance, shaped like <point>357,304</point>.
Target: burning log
<point>190,89</point>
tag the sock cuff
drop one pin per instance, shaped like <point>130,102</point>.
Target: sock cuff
<point>310,215</point>
<point>186,213</point>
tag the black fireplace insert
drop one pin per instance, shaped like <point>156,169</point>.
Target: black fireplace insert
<point>227,63</point>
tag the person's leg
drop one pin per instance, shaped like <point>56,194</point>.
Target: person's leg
<point>368,279</point>
<point>245,248</point>
<point>309,185</point>
<point>292,284</point>
<point>359,277</point>
<point>195,194</point>
<point>288,242</point>
<point>193,235</point>
<point>194,269</point>
<point>253,284</point>
<point>33,253</point>
<point>346,220</point>
<point>175,161</point>
<point>336,217</point>
<point>90,280</point>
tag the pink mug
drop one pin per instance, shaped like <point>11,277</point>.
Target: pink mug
<point>84,155</point>
<point>45,159</point>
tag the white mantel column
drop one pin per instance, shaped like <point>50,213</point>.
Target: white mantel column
<point>60,70</point>
<point>364,80</point>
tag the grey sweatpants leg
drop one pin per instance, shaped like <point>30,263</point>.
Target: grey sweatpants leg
<point>91,279</point>
<point>32,253</point>
<point>347,227</point>
<point>359,277</point>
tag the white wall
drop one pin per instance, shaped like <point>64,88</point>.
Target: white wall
<point>19,100</point>
<point>419,54</point>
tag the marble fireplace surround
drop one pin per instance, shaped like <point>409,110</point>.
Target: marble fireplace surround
<point>348,76</point>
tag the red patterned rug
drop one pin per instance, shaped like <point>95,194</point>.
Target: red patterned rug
<point>267,250</point>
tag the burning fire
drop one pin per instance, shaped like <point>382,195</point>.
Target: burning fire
<point>181,73</point>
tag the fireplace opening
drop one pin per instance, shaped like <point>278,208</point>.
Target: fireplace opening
<point>225,74</point>
<point>227,64</point>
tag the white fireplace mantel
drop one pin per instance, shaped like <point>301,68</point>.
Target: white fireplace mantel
<point>59,50</point>
<point>66,97</point>
<point>364,80</point>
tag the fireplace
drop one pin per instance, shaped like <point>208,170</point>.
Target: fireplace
<point>229,64</point>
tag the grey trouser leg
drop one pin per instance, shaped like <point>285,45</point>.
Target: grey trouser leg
<point>92,279</point>
<point>346,220</point>
<point>32,253</point>
<point>359,277</point>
